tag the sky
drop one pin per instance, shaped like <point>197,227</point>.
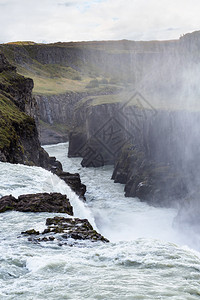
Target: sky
<point>45,21</point>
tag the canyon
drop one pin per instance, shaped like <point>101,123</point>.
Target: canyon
<point>134,105</point>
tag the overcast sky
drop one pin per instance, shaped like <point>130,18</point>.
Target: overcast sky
<point>78,20</point>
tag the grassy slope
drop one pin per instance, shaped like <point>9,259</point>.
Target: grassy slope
<point>51,79</point>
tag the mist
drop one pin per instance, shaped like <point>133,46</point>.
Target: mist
<point>167,76</point>
<point>157,116</point>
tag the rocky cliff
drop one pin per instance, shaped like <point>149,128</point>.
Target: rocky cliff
<point>19,142</point>
<point>62,73</point>
<point>154,152</point>
<point>56,113</point>
<point>18,133</point>
<point>150,134</point>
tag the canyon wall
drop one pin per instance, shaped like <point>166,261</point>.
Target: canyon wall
<point>155,152</point>
<point>153,146</point>
<point>159,69</point>
<point>19,142</point>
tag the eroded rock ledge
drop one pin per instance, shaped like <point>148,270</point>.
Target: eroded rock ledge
<point>62,229</point>
<point>40,202</point>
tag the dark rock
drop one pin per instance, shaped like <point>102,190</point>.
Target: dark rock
<point>73,180</point>
<point>7,203</point>
<point>41,202</point>
<point>19,142</point>
<point>5,65</point>
<point>30,232</point>
<point>50,135</point>
<point>154,182</point>
<point>69,228</point>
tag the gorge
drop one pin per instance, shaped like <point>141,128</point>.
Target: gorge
<point>131,106</point>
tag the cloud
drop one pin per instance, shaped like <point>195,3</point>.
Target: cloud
<point>62,20</point>
<point>67,4</point>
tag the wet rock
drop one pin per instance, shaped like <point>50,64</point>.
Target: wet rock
<point>30,232</point>
<point>62,229</point>
<point>74,181</point>
<point>40,202</point>
<point>7,203</point>
<point>154,182</point>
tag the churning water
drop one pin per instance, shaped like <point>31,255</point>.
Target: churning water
<point>149,257</point>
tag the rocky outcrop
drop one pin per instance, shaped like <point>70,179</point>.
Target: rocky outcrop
<point>5,65</point>
<point>92,137</point>
<point>40,202</point>
<point>63,229</point>
<point>60,229</point>
<point>74,181</point>
<point>18,133</point>
<point>157,183</point>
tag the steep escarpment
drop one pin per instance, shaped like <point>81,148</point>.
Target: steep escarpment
<point>18,133</point>
<point>56,113</point>
<point>64,72</point>
<point>154,152</point>
<point>19,142</point>
<point>144,133</point>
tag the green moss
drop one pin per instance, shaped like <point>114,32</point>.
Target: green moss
<point>12,120</point>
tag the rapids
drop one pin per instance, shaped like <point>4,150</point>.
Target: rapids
<point>149,256</point>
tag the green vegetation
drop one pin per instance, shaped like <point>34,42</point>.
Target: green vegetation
<point>63,67</point>
<point>12,120</point>
<point>71,74</point>
<point>22,43</point>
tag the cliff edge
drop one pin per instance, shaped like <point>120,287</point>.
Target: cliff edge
<point>19,142</point>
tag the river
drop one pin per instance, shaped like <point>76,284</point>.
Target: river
<point>148,257</point>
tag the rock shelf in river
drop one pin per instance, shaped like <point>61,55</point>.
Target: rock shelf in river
<point>40,202</point>
<point>62,229</point>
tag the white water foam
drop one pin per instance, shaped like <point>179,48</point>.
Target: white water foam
<point>146,260</point>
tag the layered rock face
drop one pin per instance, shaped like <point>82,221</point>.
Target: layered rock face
<point>57,113</point>
<point>155,152</point>
<point>161,69</point>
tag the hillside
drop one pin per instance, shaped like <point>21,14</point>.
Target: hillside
<point>159,69</point>
<point>67,75</point>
